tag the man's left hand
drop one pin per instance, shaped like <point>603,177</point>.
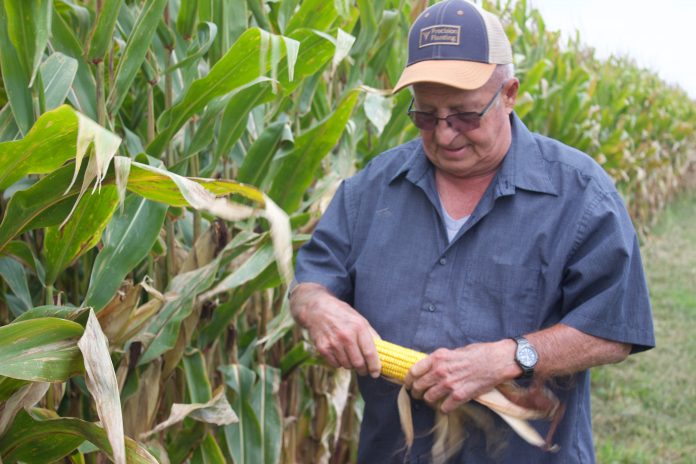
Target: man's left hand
<point>449,378</point>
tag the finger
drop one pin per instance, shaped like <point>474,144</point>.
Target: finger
<point>417,371</point>
<point>355,356</point>
<point>341,357</point>
<point>450,404</point>
<point>369,352</point>
<point>435,393</point>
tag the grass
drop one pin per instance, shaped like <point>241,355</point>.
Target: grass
<point>644,409</point>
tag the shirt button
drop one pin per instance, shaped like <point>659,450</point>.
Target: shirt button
<point>443,261</point>
<point>431,308</point>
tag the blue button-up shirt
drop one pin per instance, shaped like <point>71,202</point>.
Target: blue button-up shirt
<point>550,241</point>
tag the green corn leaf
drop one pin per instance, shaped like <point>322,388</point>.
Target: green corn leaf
<point>170,188</point>
<point>266,404</point>
<point>134,53</point>
<point>8,126</point>
<point>240,66</point>
<point>40,350</point>
<point>8,386</point>
<point>243,438</point>
<point>298,355</point>
<point>261,259</point>
<point>205,131</point>
<point>197,377</point>
<point>13,274</point>
<point>186,20</point>
<point>258,158</point>
<point>21,252</point>
<point>103,31</point>
<point>15,78</point>
<point>210,451</point>
<point>45,437</point>
<point>44,204</point>
<point>82,94</point>
<point>57,74</point>
<point>78,315</point>
<point>49,144</point>
<point>164,326</point>
<point>205,36</point>
<point>313,14</point>
<point>62,245</point>
<point>127,240</point>
<point>28,26</point>
<point>236,114</point>
<point>298,168</point>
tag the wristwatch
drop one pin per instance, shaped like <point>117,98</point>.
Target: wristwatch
<point>526,357</point>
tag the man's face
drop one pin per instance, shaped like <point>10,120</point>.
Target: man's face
<point>476,152</point>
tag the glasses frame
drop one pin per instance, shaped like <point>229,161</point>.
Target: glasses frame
<point>455,119</point>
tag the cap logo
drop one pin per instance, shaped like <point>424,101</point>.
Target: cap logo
<point>441,34</point>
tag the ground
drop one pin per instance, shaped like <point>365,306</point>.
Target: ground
<point>644,409</point>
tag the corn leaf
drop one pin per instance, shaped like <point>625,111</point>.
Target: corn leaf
<point>243,438</point>
<point>44,437</point>
<point>8,386</point>
<point>266,404</point>
<point>163,328</point>
<point>298,169</point>
<point>57,74</point>
<point>103,31</point>
<point>49,144</point>
<point>258,158</point>
<point>127,240</point>
<point>40,350</point>
<point>246,61</point>
<point>82,231</point>
<point>15,79</point>
<point>41,205</point>
<point>28,26</point>
<point>83,91</point>
<point>15,278</point>
<point>102,385</point>
<point>25,398</point>
<point>215,411</point>
<point>8,126</point>
<point>134,53</point>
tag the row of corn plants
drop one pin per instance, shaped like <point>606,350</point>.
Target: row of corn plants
<point>160,160</point>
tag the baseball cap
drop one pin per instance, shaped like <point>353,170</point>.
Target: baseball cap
<point>455,43</point>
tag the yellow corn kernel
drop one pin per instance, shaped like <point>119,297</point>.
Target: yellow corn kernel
<point>396,360</point>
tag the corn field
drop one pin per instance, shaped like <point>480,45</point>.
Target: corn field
<point>160,161</point>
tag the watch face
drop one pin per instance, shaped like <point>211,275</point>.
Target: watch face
<point>527,356</point>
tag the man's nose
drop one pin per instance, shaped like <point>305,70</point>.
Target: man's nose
<point>444,132</point>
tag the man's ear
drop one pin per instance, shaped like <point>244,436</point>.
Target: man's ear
<point>510,94</point>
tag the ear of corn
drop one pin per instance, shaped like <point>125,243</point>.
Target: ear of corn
<point>396,360</point>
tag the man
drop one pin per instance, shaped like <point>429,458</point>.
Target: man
<point>504,254</point>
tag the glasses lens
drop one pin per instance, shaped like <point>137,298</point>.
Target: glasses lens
<point>464,121</point>
<point>423,120</point>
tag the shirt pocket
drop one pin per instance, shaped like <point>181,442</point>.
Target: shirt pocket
<point>497,301</point>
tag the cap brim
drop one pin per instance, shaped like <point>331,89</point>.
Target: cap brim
<point>465,75</point>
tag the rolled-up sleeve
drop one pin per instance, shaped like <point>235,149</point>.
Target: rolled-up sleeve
<point>605,293</point>
<point>322,259</point>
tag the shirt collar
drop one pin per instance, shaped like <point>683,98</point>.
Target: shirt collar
<point>523,166</point>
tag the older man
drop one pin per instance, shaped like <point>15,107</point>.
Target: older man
<point>503,253</point>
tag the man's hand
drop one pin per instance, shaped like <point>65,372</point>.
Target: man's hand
<point>340,334</point>
<point>449,378</point>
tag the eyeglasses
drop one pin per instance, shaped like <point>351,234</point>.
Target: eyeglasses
<point>461,122</point>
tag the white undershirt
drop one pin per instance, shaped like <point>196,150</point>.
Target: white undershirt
<point>453,225</point>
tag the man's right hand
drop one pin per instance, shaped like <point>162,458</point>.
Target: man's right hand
<point>340,334</point>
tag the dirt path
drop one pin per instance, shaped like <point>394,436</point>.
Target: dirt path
<point>644,409</point>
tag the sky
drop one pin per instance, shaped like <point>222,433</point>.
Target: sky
<point>655,33</point>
